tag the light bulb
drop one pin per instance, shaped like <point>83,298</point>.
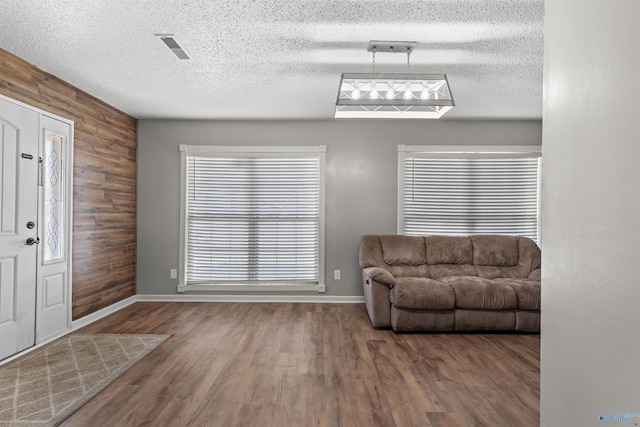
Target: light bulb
<point>355,94</point>
<point>390,93</point>
<point>424,94</point>
<point>373,93</point>
<point>407,91</point>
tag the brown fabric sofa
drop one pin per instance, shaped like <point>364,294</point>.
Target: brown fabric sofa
<point>444,283</point>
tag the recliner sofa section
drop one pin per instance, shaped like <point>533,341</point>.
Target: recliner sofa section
<point>446,283</point>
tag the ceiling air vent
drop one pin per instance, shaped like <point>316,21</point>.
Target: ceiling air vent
<point>173,45</point>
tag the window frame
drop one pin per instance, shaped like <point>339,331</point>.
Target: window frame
<point>466,151</point>
<point>250,151</point>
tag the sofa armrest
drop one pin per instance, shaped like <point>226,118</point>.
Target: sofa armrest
<point>379,275</point>
<point>377,282</point>
<point>535,274</point>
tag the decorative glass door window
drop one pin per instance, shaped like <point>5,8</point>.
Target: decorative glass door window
<point>53,181</point>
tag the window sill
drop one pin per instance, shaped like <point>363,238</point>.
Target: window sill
<point>252,288</point>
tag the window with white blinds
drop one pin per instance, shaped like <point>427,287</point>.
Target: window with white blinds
<point>253,216</point>
<point>477,190</point>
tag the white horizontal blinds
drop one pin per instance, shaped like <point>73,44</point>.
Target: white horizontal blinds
<point>461,194</point>
<point>253,219</point>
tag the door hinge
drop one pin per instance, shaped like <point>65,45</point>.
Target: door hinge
<point>40,174</point>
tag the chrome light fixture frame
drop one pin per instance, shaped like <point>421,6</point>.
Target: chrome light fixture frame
<point>387,95</point>
<point>393,95</point>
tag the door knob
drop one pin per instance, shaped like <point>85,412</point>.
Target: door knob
<point>31,241</point>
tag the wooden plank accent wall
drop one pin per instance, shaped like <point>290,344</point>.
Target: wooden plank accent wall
<point>104,187</point>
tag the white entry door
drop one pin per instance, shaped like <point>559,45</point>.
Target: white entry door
<point>19,127</point>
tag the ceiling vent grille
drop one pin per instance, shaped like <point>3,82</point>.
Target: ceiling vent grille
<point>173,45</point>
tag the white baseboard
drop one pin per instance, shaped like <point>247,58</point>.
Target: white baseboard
<point>90,318</point>
<point>280,287</point>
<point>253,298</point>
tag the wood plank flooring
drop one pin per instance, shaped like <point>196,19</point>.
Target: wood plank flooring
<point>247,364</point>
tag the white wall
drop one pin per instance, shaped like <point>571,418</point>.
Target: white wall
<point>591,212</point>
<point>361,179</point>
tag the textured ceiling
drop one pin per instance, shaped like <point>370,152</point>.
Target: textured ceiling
<point>277,59</point>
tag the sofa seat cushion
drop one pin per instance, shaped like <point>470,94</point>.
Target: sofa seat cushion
<point>527,292</point>
<point>421,293</point>
<point>478,293</point>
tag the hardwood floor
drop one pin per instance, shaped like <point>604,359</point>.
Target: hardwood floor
<point>246,364</point>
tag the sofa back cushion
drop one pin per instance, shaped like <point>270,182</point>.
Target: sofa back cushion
<point>437,271</point>
<point>370,254</point>
<point>403,250</point>
<point>449,250</point>
<point>504,256</point>
<point>402,256</point>
<point>498,251</point>
<point>442,256</point>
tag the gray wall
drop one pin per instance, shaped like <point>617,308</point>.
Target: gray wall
<point>591,213</point>
<point>361,179</point>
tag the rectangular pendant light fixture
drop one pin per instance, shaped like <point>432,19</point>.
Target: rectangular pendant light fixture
<point>393,95</point>
<point>397,95</point>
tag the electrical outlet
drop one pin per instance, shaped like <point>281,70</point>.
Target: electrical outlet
<point>337,274</point>
<point>174,273</point>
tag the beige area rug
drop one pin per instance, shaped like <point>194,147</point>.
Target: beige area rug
<point>47,385</point>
